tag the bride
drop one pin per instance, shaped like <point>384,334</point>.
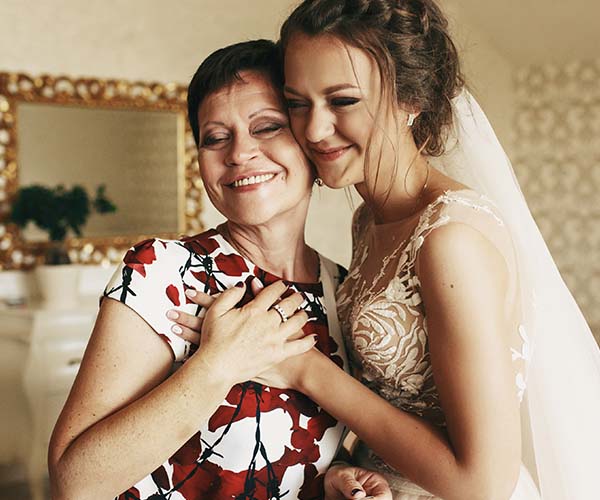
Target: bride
<point>480,378</point>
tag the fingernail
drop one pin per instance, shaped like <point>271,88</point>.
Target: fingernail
<point>177,329</point>
<point>240,284</point>
<point>315,338</point>
<point>355,491</point>
<point>190,292</point>
<point>172,314</point>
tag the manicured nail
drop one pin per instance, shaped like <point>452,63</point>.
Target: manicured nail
<point>177,329</point>
<point>239,284</point>
<point>356,491</point>
<point>190,292</point>
<point>172,314</point>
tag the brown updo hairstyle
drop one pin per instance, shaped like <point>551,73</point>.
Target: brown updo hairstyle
<point>409,41</point>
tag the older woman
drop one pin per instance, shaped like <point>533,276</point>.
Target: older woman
<point>150,417</point>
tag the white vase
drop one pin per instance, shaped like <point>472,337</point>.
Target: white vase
<point>58,286</point>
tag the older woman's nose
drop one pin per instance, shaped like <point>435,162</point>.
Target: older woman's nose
<point>320,125</point>
<point>241,150</point>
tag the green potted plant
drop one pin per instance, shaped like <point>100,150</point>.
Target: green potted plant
<point>57,211</point>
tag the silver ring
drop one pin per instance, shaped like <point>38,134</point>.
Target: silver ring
<point>281,312</point>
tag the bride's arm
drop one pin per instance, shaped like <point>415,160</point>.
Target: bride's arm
<point>463,284</point>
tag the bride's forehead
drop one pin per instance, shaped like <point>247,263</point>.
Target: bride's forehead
<point>331,62</point>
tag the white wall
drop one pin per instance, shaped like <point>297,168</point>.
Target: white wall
<point>489,73</point>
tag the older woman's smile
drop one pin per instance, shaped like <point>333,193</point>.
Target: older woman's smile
<point>253,169</point>
<point>249,181</point>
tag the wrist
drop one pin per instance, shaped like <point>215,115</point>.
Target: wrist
<point>212,371</point>
<point>312,372</point>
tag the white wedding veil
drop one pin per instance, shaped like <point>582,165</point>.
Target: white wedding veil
<point>561,409</point>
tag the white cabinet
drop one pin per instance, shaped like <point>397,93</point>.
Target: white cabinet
<point>40,353</point>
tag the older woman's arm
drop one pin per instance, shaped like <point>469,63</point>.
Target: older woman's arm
<point>125,416</point>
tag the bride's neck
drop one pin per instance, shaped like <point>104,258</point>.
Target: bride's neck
<point>397,195</point>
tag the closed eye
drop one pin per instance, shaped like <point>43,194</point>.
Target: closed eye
<point>268,130</point>
<point>295,104</point>
<point>344,101</point>
<point>212,141</point>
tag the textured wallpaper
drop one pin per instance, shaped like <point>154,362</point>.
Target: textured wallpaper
<point>557,159</point>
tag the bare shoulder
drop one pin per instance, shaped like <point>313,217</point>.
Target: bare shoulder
<point>456,254</point>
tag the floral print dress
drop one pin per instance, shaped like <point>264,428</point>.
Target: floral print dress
<point>261,443</point>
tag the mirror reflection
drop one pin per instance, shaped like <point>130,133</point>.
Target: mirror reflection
<point>137,154</point>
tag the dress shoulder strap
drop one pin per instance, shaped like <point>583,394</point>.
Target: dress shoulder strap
<point>330,279</point>
<point>466,207</point>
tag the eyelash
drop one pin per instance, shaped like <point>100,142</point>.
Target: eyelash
<point>344,101</point>
<point>272,127</point>
<point>267,129</point>
<point>338,102</point>
<point>211,141</point>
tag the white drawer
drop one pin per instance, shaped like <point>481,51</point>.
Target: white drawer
<point>61,360</point>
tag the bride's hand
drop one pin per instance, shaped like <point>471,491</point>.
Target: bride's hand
<point>243,342</point>
<point>346,482</point>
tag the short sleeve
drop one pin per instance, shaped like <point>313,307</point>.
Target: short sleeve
<point>150,282</point>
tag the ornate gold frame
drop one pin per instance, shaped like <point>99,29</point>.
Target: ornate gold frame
<point>15,253</point>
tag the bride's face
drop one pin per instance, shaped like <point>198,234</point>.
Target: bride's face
<point>337,114</point>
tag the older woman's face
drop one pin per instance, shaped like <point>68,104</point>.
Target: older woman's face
<point>253,169</point>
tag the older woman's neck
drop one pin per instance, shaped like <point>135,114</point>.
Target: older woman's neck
<point>278,247</point>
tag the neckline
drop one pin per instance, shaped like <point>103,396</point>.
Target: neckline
<point>267,277</point>
<point>386,226</point>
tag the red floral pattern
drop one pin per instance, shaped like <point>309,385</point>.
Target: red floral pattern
<point>140,256</point>
<point>261,443</point>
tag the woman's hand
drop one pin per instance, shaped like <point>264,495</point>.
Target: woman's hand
<point>346,482</point>
<point>188,326</point>
<point>243,342</point>
<point>285,375</point>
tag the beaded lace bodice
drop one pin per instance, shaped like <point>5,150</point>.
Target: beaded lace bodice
<point>383,319</point>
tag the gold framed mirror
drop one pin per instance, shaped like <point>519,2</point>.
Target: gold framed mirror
<point>131,136</point>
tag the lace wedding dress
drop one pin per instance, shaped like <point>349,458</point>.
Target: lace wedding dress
<point>385,325</point>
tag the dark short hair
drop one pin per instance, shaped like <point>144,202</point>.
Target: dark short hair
<point>410,42</point>
<point>223,67</point>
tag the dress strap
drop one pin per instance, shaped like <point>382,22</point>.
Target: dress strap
<point>435,215</point>
<point>330,278</point>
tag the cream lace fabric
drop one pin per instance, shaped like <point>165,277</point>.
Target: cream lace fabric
<point>384,321</point>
